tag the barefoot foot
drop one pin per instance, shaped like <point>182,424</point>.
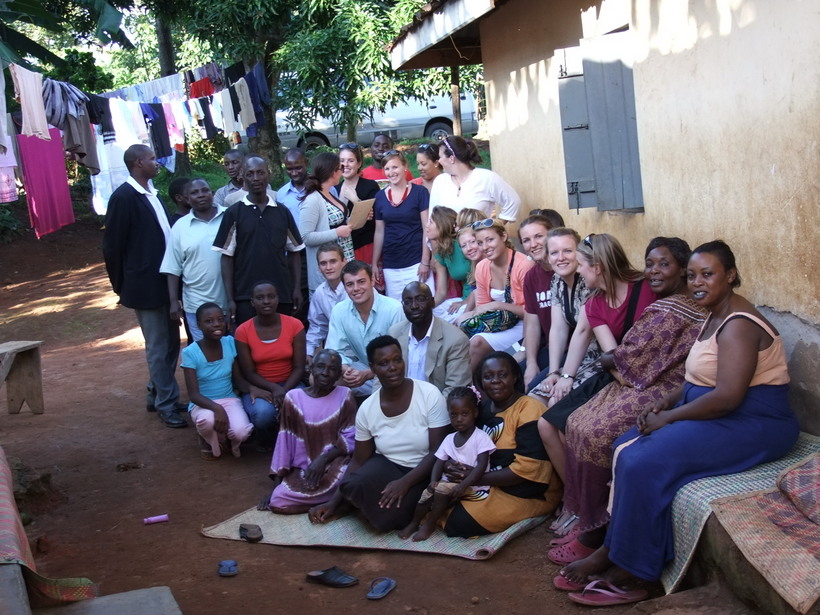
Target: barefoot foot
<point>423,533</point>
<point>407,531</point>
<point>584,569</point>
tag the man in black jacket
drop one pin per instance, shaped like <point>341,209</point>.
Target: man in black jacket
<point>136,231</point>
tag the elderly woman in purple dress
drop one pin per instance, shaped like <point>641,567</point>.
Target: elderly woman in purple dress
<point>315,440</point>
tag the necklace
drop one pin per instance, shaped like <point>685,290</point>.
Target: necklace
<point>458,181</point>
<point>401,200</point>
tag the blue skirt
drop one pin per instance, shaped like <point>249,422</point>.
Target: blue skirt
<point>649,472</point>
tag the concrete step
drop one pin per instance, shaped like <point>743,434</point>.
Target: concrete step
<point>154,600</point>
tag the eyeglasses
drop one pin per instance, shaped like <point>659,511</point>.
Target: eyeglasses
<point>448,146</point>
<point>588,241</point>
<point>428,147</point>
<point>483,224</point>
<point>349,146</point>
<point>411,301</point>
<point>391,152</point>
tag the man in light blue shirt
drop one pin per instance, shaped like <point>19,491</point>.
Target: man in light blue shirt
<point>355,321</point>
<point>189,255</point>
<point>290,195</point>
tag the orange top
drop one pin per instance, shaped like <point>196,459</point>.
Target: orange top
<point>483,276</point>
<point>702,362</point>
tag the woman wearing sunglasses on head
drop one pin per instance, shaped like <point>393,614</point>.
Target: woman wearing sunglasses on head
<point>354,188</point>
<point>428,164</point>
<point>463,185</point>
<point>496,323</point>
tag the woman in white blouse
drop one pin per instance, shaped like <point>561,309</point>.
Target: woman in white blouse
<point>463,185</point>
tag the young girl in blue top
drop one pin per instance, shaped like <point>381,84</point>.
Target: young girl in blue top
<point>210,372</point>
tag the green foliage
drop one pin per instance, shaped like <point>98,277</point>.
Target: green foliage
<point>10,225</point>
<point>80,20</point>
<point>337,66</point>
<point>201,151</point>
<point>211,172</point>
<point>130,67</point>
<point>81,70</point>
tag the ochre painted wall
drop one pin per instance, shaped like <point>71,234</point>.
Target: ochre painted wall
<point>728,127</point>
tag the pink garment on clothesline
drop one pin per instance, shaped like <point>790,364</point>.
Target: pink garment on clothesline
<point>46,183</point>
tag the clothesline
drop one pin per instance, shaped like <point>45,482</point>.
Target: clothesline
<point>97,129</point>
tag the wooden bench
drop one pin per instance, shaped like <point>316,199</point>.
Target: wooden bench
<point>20,370</point>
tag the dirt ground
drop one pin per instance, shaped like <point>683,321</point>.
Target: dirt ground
<point>94,374</point>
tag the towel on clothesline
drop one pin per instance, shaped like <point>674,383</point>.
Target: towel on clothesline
<point>28,89</point>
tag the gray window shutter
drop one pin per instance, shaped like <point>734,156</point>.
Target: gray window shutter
<point>578,153</point>
<point>610,92</point>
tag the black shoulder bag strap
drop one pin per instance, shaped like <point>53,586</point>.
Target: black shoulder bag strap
<point>633,306</point>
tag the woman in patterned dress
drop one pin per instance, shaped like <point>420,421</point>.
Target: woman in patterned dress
<point>649,364</point>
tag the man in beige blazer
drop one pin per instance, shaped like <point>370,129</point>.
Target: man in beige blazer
<point>434,351</point>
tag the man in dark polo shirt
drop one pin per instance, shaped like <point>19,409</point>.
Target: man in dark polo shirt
<point>259,240</point>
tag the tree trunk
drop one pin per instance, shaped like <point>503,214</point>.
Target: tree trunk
<point>455,94</point>
<point>165,48</point>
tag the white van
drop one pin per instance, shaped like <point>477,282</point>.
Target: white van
<point>411,120</point>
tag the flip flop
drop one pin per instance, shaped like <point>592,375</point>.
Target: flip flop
<point>567,526</point>
<point>565,585</point>
<point>558,521</point>
<point>604,593</point>
<point>250,532</point>
<point>227,568</point>
<point>573,534</point>
<point>570,552</point>
<point>332,577</point>
<point>380,587</point>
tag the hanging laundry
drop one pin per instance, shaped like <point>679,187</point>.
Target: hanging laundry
<point>157,128</point>
<point>262,83</point>
<point>253,90</point>
<point>49,201</point>
<point>124,125</point>
<point>99,112</point>
<point>246,114</point>
<point>112,174</point>
<point>237,106</point>
<point>201,88</point>
<point>235,72</point>
<point>66,109</point>
<point>28,89</point>
<point>8,166</point>
<point>3,133</point>
<point>212,71</point>
<point>176,133</point>
<point>228,115</point>
<point>207,120</point>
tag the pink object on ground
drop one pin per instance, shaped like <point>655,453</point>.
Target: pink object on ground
<point>570,552</point>
<point>603,593</point>
<point>565,585</point>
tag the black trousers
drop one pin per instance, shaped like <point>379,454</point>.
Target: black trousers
<point>363,489</point>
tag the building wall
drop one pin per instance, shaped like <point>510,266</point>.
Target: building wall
<point>728,128</point>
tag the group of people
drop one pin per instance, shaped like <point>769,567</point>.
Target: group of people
<point>483,386</point>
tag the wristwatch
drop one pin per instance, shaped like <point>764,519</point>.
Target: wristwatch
<point>567,376</point>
